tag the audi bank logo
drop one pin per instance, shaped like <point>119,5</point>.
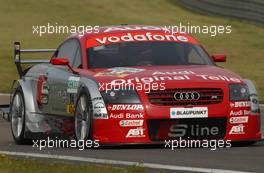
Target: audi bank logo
<point>187,96</point>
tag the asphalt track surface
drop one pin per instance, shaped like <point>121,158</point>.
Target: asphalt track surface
<point>239,158</point>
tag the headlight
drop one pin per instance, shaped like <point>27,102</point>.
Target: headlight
<point>120,96</point>
<point>238,92</point>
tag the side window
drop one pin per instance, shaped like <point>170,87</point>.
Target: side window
<point>78,58</point>
<point>195,56</point>
<point>71,50</point>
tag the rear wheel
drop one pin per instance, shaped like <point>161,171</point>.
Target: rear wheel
<point>17,115</point>
<point>83,116</point>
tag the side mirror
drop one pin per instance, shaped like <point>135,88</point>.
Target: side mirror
<point>219,57</point>
<point>59,61</point>
<point>62,61</point>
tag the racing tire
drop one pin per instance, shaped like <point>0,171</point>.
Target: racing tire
<point>17,117</point>
<point>83,116</point>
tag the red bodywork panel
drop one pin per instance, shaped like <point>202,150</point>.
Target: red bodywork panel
<point>139,125</point>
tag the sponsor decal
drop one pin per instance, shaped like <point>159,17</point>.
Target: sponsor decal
<point>100,116</point>
<point>98,106</point>
<point>72,84</point>
<point>135,133</point>
<point>131,123</point>
<point>196,112</point>
<point>127,116</point>
<point>148,36</point>
<point>134,28</point>
<point>160,78</point>
<point>219,78</point>
<point>61,95</point>
<point>240,104</point>
<point>125,107</point>
<point>45,88</point>
<point>70,109</point>
<point>97,98</point>
<point>140,36</point>
<point>239,113</point>
<point>119,71</point>
<point>44,99</point>
<point>181,130</point>
<point>173,72</point>
<point>71,98</point>
<point>236,120</point>
<point>239,129</point>
<point>99,110</point>
<point>42,90</point>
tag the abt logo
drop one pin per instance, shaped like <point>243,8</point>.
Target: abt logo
<point>239,129</point>
<point>138,132</point>
<point>181,130</point>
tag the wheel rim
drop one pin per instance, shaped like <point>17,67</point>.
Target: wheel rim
<point>17,112</point>
<point>82,119</point>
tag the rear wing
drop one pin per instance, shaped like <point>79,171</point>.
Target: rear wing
<point>19,62</point>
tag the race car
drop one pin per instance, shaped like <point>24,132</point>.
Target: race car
<point>132,84</point>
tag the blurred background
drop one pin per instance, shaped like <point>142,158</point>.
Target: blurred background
<point>244,46</point>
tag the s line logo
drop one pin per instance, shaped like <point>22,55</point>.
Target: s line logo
<point>180,130</point>
<point>139,132</point>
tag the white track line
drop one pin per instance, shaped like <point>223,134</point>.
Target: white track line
<point>117,162</point>
<point>4,95</point>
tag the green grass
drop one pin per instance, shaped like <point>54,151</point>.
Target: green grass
<point>10,165</point>
<point>244,46</point>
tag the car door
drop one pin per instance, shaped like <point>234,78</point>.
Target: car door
<point>62,82</point>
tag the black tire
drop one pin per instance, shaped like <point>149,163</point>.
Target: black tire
<point>17,117</point>
<point>83,114</point>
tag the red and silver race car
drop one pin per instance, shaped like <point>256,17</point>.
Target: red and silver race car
<point>132,84</point>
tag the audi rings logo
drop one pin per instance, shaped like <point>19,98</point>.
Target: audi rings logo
<point>186,96</point>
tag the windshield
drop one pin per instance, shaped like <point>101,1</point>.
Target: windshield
<point>129,54</point>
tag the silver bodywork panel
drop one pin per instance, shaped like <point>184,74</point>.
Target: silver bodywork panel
<point>255,109</point>
<point>61,91</point>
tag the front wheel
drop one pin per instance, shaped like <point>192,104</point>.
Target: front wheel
<point>83,116</point>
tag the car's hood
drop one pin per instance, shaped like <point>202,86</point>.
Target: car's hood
<point>167,74</point>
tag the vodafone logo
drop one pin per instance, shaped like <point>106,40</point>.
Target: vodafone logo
<point>125,107</point>
<point>129,37</point>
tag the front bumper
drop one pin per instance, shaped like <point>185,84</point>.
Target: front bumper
<point>158,129</point>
